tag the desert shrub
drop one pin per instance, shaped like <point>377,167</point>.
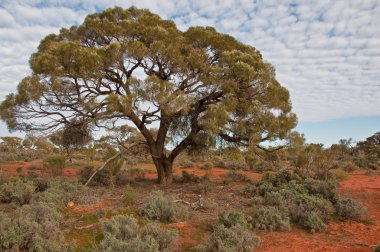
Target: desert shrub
<point>303,204</point>
<point>54,165</point>
<point>41,184</point>
<point>349,167</point>
<point>186,164</point>
<point>162,208</point>
<point>237,176</point>
<point>341,174</point>
<point>102,178</point>
<point>235,165</point>
<point>19,170</point>
<point>207,166</point>
<point>309,202</point>
<point>262,166</point>
<point>122,233</point>
<point>270,219</point>
<point>135,173</point>
<point>312,221</point>
<point>220,164</point>
<point>165,238</point>
<point>59,192</point>
<point>233,218</point>
<point>129,195</point>
<point>347,209</point>
<point>327,189</point>
<point>114,166</point>
<point>225,239</point>
<point>274,198</point>
<point>190,178</point>
<point>204,186</point>
<point>207,204</point>
<point>35,228</point>
<point>258,189</point>
<point>122,178</point>
<point>18,192</point>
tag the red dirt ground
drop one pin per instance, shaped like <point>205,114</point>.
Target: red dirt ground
<point>217,174</point>
<point>10,169</point>
<point>340,236</point>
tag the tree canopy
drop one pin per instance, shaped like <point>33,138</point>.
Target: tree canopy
<point>131,67</point>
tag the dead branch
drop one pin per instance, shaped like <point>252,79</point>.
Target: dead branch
<point>124,149</point>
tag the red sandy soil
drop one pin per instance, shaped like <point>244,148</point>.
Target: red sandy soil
<point>217,174</point>
<point>340,236</point>
<point>10,169</point>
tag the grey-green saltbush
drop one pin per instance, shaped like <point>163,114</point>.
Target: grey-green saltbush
<point>122,233</point>
<point>18,192</point>
<point>235,238</point>
<point>162,208</point>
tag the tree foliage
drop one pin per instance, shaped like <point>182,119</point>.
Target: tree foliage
<point>131,65</point>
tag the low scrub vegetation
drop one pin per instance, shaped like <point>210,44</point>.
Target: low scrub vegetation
<point>123,233</point>
<point>54,165</point>
<point>231,235</point>
<point>18,192</point>
<point>310,203</point>
<point>162,208</point>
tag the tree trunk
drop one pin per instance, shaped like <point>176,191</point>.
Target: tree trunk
<point>164,169</point>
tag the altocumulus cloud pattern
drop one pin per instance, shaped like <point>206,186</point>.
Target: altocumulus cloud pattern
<point>327,53</point>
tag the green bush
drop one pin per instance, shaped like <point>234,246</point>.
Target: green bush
<point>54,165</point>
<point>271,219</point>
<point>312,221</point>
<point>35,228</point>
<point>237,176</point>
<point>186,164</point>
<point>233,218</point>
<point>308,202</point>
<point>18,192</point>
<point>190,178</point>
<point>347,209</point>
<point>122,233</point>
<point>207,166</point>
<point>102,178</point>
<point>231,239</point>
<point>349,167</point>
<point>129,195</point>
<point>162,208</point>
<point>122,178</point>
<point>59,192</point>
<point>341,175</point>
<point>220,164</point>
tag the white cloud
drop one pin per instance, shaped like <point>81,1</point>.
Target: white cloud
<point>327,53</point>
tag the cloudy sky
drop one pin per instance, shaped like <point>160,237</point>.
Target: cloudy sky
<point>327,53</point>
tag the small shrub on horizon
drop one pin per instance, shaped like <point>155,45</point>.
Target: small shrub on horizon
<point>207,166</point>
<point>186,164</point>
<point>54,165</point>
<point>190,178</point>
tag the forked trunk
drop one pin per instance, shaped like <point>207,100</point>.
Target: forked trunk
<point>164,169</point>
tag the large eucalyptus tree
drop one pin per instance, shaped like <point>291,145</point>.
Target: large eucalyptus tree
<point>132,67</point>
